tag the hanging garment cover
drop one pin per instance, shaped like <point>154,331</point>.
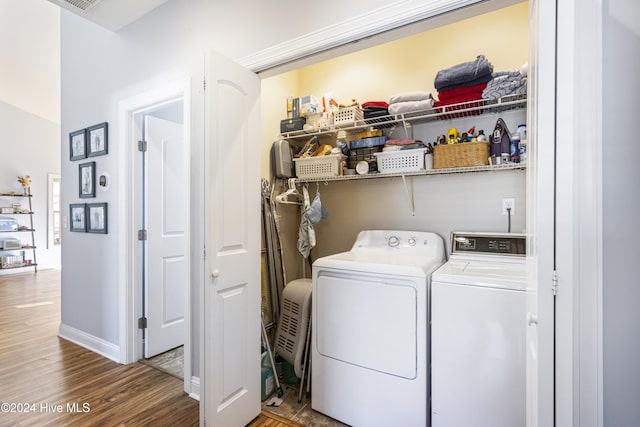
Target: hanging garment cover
<point>306,233</point>
<point>466,73</point>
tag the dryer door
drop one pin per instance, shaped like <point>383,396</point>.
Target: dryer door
<point>369,321</point>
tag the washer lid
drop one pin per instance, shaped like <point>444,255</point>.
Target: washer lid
<point>381,262</point>
<point>505,275</point>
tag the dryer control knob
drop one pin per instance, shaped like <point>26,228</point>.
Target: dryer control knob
<point>393,241</point>
<point>412,241</point>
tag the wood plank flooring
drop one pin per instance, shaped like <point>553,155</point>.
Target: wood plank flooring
<point>48,381</point>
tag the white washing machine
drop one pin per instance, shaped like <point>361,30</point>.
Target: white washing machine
<point>370,329</point>
<point>478,333</point>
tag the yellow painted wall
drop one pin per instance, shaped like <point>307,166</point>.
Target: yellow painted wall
<point>408,64</point>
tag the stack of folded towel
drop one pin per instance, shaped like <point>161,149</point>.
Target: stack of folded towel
<point>463,82</point>
<point>408,102</point>
<point>506,83</point>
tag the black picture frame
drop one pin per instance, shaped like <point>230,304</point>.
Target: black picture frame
<point>78,216</point>
<point>97,218</point>
<point>98,140</point>
<point>78,145</point>
<point>87,180</point>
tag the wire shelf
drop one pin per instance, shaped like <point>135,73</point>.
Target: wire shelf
<point>447,112</point>
<point>488,168</point>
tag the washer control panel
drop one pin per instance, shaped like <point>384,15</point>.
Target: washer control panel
<point>494,244</point>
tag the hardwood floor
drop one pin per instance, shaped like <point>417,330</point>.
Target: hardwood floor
<point>47,381</point>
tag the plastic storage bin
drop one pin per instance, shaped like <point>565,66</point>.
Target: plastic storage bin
<point>348,116</point>
<point>319,167</point>
<point>401,161</point>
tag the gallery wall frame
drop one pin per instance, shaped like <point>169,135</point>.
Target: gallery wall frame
<point>97,218</point>
<point>98,140</point>
<point>78,145</point>
<point>78,215</point>
<point>87,180</point>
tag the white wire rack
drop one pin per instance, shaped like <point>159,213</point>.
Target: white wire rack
<point>488,168</point>
<point>453,111</point>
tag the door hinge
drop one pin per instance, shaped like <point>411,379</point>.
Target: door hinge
<point>142,323</point>
<point>142,234</point>
<point>204,84</point>
<point>204,253</point>
<point>554,283</point>
<point>142,146</point>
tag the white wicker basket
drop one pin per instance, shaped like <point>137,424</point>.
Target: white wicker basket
<point>319,166</point>
<point>401,161</point>
<point>348,116</point>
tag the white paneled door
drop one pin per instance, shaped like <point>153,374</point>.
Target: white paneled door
<point>166,247</point>
<point>232,268</point>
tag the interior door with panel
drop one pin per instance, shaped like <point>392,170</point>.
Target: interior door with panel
<point>231,392</point>
<point>167,245</point>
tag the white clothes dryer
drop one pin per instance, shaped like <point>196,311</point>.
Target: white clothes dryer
<point>478,311</point>
<point>370,329</point>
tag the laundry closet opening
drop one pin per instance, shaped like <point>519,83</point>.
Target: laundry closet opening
<point>437,203</point>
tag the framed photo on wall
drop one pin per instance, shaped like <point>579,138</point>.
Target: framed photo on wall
<point>77,145</point>
<point>98,140</point>
<point>97,218</point>
<point>87,179</point>
<point>78,212</point>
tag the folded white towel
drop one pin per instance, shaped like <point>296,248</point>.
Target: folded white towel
<point>410,96</point>
<point>409,106</point>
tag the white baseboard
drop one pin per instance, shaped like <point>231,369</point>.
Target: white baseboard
<point>195,388</point>
<point>88,341</point>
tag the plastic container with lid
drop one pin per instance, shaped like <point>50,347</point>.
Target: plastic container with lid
<point>342,142</point>
<point>514,156</point>
<point>267,380</point>
<point>522,130</point>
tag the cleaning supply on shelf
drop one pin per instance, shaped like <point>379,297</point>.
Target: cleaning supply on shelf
<point>515,148</point>
<point>452,136</point>
<point>523,151</point>
<point>522,130</point>
<point>341,142</point>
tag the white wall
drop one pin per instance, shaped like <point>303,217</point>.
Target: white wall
<point>30,146</point>
<point>100,68</point>
<point>30,56</point>
<point>621,210</point>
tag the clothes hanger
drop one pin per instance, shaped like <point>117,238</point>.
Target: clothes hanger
<point>292,191</point>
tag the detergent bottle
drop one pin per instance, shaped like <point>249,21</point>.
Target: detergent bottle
<point>266,377</point>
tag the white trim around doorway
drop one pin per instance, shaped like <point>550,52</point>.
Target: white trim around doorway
<point>131,345</point>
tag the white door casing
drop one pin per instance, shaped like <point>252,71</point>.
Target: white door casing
<point>131,113</point>
<point>231,330</point>
<point>540,317</point>
<point>167,244</point>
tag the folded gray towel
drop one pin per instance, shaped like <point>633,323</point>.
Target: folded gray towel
<point>463,73</point>
<point>505,83</point>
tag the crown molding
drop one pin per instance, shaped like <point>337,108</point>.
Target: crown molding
<point>370,23</point>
